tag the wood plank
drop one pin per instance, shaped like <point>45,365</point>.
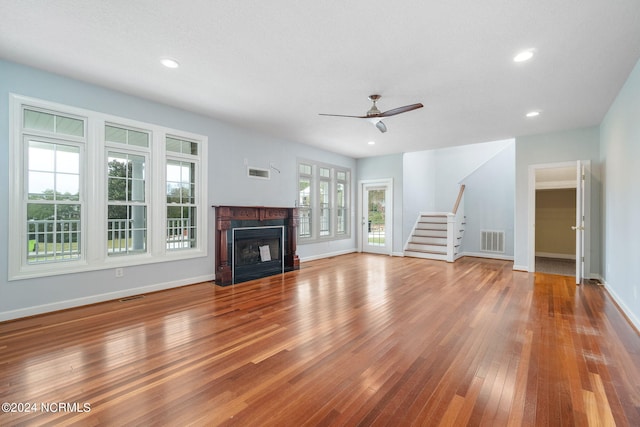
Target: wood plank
<point>359,339</point>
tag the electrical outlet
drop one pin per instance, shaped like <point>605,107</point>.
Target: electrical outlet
<point>119,272</point>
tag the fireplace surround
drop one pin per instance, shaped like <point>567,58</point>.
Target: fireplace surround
<point>253,242</point>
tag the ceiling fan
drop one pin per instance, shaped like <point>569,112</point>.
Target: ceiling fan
<point>374,115</point>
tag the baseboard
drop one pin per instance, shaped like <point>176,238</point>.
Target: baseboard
<point>486,255</point>
<point>555,255</point>
<point>328,255</point>
<point>93,299</point>
<point>521,268</point>
<point>635,322</point>
<point>400,254</point>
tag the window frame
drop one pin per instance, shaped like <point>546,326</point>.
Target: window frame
<point>315,208</point>
<point>93,190</point>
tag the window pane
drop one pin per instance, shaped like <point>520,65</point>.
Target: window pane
<point>181,227</point>
<point>69,126</point>
<point>126,229</point>
<point>41,185</point>
<point>54,171</point>
<point>67,187</point>
<point>305,169</point>
<point>39,121</point>
<point>180,182</point>
<point>114,134</point>
<point>304,198</point>
<point>325,173</point>
<point>182,146</point>
<point>139,139</point>
<point>41,156</point>
<point>126,177</point>
<point>304,210</point>
<point>126,136</point>
<point>341,176</point>
<point>48,122</point>
<point>53,232</point>
<point>325,211</point>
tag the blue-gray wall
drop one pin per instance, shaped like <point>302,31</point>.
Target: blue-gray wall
<point>620,154</point>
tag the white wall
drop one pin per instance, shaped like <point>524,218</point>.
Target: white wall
<point>573,145</point>
<point>229,146</point>
<point>620,153</point>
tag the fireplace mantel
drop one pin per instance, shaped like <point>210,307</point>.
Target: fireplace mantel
<point>229,217</point>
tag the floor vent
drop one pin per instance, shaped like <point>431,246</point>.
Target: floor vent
<point>135,297</point>
<point>492,241</point>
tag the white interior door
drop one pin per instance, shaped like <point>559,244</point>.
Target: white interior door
<point>579,227</point>
<point>376,218</point>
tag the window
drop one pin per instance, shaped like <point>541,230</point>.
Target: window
<point>323,190</point>
<point>304,200</point>
<point>53,203</point>
<point>91,191</point>
<point>181,194</point>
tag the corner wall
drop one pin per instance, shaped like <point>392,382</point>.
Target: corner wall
<point>620,153</point>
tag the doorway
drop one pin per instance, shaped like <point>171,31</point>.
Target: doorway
<point>561,176</point>
<point>376,212</point>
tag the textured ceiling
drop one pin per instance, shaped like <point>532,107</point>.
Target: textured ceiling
<point>273,66</point>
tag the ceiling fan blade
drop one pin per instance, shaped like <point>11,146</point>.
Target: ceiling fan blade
<point>401,110</point>
<point>342,115</point>
<point>381,126</point>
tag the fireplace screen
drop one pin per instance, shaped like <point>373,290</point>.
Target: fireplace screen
<point>257,252</point>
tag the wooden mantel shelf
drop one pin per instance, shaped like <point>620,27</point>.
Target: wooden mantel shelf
<point>228,217</point>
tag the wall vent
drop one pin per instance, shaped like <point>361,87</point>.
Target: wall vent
<point>254,172</point>
<point>492,241</point>
<point>132,298</point>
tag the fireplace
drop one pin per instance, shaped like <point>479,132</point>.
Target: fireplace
<point>253,242</point>
<point>256,252</point>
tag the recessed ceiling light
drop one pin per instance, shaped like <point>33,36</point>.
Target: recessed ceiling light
<point>533,113</point>
<point>371,143</point>
<point>525,55</point>
<point>169,63</point>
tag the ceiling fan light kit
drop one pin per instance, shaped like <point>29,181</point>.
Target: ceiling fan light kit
<point>375,113</point>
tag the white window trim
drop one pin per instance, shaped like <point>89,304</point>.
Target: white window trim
<point>315,200</point>
<point>93,186</point>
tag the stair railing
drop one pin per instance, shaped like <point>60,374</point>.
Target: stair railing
<point>454,222</point>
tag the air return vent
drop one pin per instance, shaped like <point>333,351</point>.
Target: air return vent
<point>492,241</point>
<point>133,298</point>
<point>259,173</point>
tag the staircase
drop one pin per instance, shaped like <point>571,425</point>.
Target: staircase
<point>438,235</point>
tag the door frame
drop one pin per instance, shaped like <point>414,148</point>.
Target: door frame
<point>388,219</point>
<point>582,266</point>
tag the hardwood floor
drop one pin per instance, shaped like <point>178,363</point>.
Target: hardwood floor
<point>355,340</point>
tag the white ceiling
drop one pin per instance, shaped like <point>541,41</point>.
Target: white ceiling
<point>274,65</point>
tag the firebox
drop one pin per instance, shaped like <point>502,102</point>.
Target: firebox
<point>253,242</point>
<point>256,252</point>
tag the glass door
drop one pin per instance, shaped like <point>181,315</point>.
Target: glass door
<point>376,236</point>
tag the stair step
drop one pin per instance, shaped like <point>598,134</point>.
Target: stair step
<point>431,226</point>
<point>430,233</point>
<point>433,218</point>
<point>426,255</point>
<point>429,240</point>
<point>420,247</point>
